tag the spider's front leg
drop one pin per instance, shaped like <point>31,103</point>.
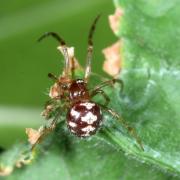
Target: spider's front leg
<point>131,130</point>
<point>90,49</point>
<point>62,46</point>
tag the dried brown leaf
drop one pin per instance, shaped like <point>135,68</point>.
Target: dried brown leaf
<point>5,171</point>
<point>33,135</point>
<point>73,64</point>
<point>112,64</point>
<point>115,19</point>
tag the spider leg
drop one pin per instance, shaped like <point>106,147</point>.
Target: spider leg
<point>46,130</point>
<point>131,130</point>
<point>73,67</point>
<point>54,35</point>
<point>90,49</point>
<point>64,49</point>
<point>53,77</point>
<point>110,83</point>
<point>48,108</point>
<point>105,96</point>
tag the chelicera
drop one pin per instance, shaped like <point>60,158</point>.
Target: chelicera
<point>84,116</point>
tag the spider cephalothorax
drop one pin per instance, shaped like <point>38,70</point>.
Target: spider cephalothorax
<point>78,91</point>
<point>84,116</point>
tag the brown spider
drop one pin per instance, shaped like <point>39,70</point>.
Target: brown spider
<point>84,116</point>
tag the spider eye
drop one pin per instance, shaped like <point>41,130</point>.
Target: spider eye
<point>64,86</point>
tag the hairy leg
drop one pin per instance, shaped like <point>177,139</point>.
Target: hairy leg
<point>90,49</point>
<point>63,48</point>
<point>131,130</point>
<point>101,92</point>
<point>109,83</point>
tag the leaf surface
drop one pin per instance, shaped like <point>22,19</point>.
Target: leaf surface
<point>150,102</point>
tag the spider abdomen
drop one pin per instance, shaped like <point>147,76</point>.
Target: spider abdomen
<point>84,118</point>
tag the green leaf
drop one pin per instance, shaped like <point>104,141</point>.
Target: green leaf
<point>73,158</point>
<point>149,102</point>
<point>151,73</point>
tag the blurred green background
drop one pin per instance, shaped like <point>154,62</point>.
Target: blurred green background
<point>24,63</point>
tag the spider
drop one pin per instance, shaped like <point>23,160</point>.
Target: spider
<point>84,116</point>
